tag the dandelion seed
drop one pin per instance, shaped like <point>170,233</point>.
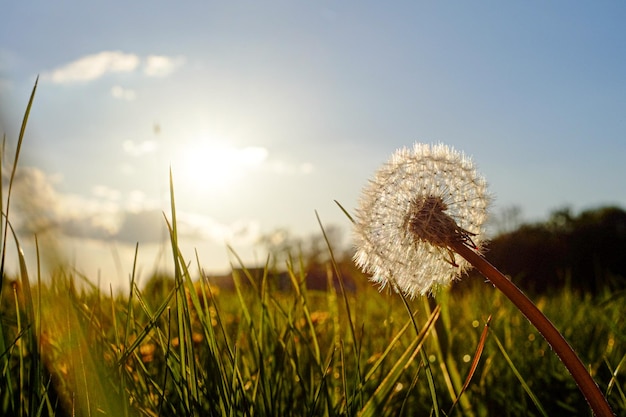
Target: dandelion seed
<point>419,202</point>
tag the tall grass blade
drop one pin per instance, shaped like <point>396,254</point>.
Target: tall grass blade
<point>188,372</point>
<point>355,347</point>
<point>474,365</point>
<point>300,288</point>
<point>13,170</point>
<point>4,210</point>
<point>429,373</point>
<point>29,306</point>
<point>442,340</point>
<point>390,346</point>
<point>378,399</point>
<point>614,383</point>
<point>519,376</point>
<point>344,211</point>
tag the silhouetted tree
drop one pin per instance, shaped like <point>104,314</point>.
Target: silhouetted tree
<point>532,254</point>
<point>597,252</point>
<point>587,251</point>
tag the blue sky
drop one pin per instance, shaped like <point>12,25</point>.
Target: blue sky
<point>267,111</point>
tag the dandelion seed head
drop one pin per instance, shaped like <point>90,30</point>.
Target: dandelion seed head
<point>420,201</point>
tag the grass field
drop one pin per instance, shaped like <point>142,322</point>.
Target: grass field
<point>187,348</point>
<point>182,346</point>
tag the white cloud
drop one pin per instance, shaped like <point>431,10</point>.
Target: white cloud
<point>91,67</point>
<point>138,149</point>
<point>35,201</point>
<point>161,66</point>
<point>146,226</point>
<point>107,215</point>
<point>94,66</point>
<point>197,226</point>
<point>286,168</point>
<point>138,201</point>
<point>123,93</point>
<point>102,191</point>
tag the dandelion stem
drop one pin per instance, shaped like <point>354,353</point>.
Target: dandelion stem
<point>561,347</point>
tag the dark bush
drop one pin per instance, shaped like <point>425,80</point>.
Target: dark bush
<point>586,252</point>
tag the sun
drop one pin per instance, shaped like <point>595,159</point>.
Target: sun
<point>206,165</point>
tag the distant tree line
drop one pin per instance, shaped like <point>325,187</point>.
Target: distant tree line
<point>586,252</point>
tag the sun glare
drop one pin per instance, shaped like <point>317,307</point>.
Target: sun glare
<point>212,167</point>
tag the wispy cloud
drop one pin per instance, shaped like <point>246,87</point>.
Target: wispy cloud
<point>122,93</point>
<point>108,193</point>
<point>161,66</point>
<point>95,66</point>
<point>200,227</point>
<point>91,67</point>
<point>109,216</point>
<point>288,168</point>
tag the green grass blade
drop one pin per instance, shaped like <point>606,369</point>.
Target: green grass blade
<point>474,365</point>
<point>384,355</point>
<point>519,376</point>
<point>29,306</point>
<point>614,383</point>
<point>12,177</point>
<point>344,293</point>
<point>344,211</point>
<point>378,399</point>
<point>4,209</point>
<point>300,289</point>
<point>429,373</point>
<point>2,227</point>
<point>182,277</point>
<point>129,306</point>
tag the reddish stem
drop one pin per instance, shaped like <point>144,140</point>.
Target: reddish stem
<point>586,384</point>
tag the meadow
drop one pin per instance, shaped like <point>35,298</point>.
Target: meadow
<point>188,348</point>
<point>269,345</point>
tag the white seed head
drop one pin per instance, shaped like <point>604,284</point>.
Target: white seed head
<point>421,200</point>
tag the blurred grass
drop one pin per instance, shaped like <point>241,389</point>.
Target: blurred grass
<point>188,347</point>
<point>256,351</point>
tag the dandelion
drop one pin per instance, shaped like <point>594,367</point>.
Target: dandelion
<point>419,203</point>
<point>423,207</point>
